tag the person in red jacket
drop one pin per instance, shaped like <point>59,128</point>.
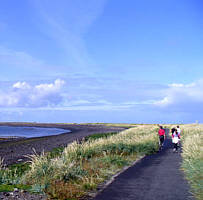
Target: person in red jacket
<point>161,133</point>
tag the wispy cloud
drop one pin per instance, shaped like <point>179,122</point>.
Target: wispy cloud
<point>25,66</point>
<point>67,22</point>
<point>112,107</point>
<point>19,64</point>
<point>18,58</point>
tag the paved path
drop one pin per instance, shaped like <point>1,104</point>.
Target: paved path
<point>155,177</point>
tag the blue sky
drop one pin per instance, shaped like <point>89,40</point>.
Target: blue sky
<point>101,61</point>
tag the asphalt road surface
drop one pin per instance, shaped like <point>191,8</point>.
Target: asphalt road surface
<point>155,177</point>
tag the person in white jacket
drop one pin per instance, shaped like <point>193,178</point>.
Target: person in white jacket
<point>178,131</point>
<point>175,139</point>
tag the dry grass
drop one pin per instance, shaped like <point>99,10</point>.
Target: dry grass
<point>1,163</point>
<point>82,166</point>
<point>193,157</point>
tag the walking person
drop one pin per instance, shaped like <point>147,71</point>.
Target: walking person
<point>162,136</point>
<point>178,131</point>
<point>175,139</point>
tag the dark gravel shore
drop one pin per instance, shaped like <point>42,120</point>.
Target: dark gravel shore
<point>13,150</point>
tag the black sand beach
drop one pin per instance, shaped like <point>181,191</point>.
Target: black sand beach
<point>14,150</point>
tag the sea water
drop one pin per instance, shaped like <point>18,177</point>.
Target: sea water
<point>13,131</point>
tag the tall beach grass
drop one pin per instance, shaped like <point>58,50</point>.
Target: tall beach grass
<point>83,165</point>
<point>192,155</point>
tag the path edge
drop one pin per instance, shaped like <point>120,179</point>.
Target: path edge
<point>107,182</point>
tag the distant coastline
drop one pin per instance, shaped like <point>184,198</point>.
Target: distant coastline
<point>34,124</point>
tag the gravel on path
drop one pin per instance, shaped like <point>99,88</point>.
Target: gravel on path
<point>155,177</point>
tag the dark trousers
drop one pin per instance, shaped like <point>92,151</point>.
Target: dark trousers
<point>175,145</point>
<point>161,138</point>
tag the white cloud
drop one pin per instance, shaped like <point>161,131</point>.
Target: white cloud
<point>110,96</point>
<point>183,96</point>
<point>176,85</point>
<point>22,94</point>
<point>50,87</point>
<point>21,85</point>
<point>8,99</point>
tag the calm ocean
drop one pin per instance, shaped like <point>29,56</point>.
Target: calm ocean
<point>10,131</point>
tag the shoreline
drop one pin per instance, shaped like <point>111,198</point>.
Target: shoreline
<point>13,150</point>
<point>25,132</point>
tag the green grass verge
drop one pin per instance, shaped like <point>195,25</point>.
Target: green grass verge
<point>192,154</point>
<point>71,172</point>
<point>100,135</point>
<point>59,150</point>
<point>19,169</point>
<point>10,188</point>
